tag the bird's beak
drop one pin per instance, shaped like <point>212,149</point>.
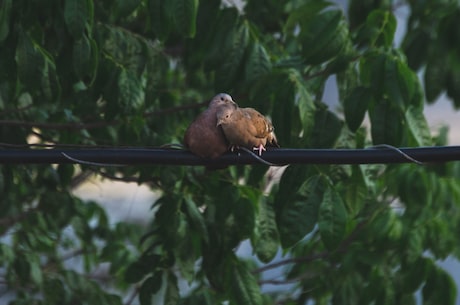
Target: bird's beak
<point>219,122</point>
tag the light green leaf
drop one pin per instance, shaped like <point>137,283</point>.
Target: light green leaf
<point>304,101</point>
<point>332,218</point>
<point>131,92</point>
<point>418,126</point>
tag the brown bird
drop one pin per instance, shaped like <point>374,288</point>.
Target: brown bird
<point>246,127</point>
<point>204,137</point>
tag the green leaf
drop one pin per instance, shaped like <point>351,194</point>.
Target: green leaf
<point>137,270</point>
<point>323,36</point>
<point>150,287</point>
<point>131,93</point>
<point>5,13</point>
<point>399,82</point>
<point>54,291</point>
<point>258,62</point>
<point>123,8</point>
<point>435,76</point>
<point>414,46</point>
<point>244,288</point>
<point>196,218</point>
<point>439,288</point>
<point>386,123</point>
<point>304,101</point>
<point>298,214</point>
<point>304,12</point>
<point>379,29</point>
<point>84,57</point>
<point>77,15</point>
<point>326,130</point>
<point>185,13</point>
<point>160,22</point>
<point>172,290</point>
<point>356,190</point>
<point>414,274</point>
<point>355,106</point>
<point>232,57</point>
<point>332,218</point>
<point>30,61</point>
<point>418,126</point>
<point>266,239</point>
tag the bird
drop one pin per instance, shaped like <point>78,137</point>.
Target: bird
<point>204,137</point>
<point>246,127</point>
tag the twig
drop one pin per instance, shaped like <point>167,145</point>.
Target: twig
<point>399,151</point>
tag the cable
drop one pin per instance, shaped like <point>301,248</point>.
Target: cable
<point>155,156</point>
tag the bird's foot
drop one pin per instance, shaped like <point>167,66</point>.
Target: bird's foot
<point>233,147</point>
<point>260,149</point>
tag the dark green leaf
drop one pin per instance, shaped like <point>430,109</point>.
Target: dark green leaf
<point>355,106</point>
<point>323,36</point>
<point>326,130</point>
<point>196,218</point>
<point>258,62</point>
<point>30,61</point>
<point>232,57</point>
<point>439,288</point>
<point>332,218</point>
<point>244,287</point>
<point>379,28</point>
<point>172,291</point>
<point>298,214</point>
<point>77,15</point>
<point>124,8</point>
<point>54,291</point>
<point>150,287</point>
<point>5,13</point>
<point>185,12</point>
<point>266,239</point>
<point>386,123</point>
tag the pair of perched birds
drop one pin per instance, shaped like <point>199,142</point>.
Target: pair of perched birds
<point>225,125</point>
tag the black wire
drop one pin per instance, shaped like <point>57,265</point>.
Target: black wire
<point>136,156</point>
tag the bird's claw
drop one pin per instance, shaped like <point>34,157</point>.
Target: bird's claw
<point>260,149</point>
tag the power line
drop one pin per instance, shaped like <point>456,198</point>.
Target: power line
<point>155,156</point>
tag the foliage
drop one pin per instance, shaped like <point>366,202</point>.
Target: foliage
<point>135,73</point>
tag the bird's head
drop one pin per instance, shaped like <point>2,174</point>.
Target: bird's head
<point>224,114</point>
<point>222,99</point>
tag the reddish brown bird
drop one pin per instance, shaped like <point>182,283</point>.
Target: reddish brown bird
<point>204,137</point>
<point>246,127</point>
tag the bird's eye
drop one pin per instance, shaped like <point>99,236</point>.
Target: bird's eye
<point>222,99</point>
<point>227,116</point>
